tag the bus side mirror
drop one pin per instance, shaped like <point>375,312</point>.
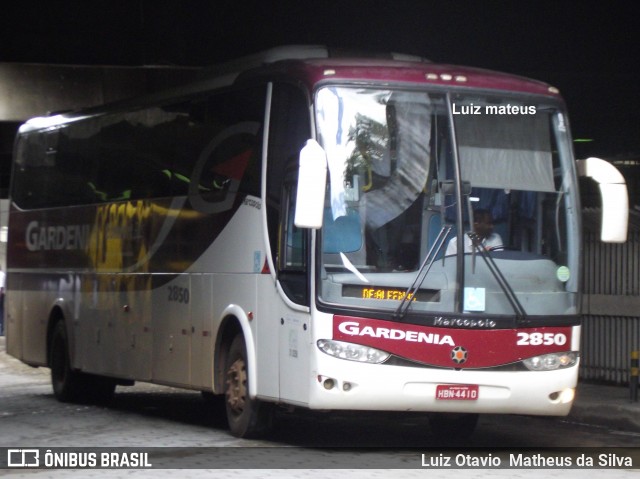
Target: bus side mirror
<point>312,183</point>
<point>613,192</point>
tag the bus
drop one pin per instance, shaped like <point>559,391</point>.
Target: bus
<point>278,234</point>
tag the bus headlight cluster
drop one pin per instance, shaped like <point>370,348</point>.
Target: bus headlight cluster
<point>352,352</point>
<point>550,362</point>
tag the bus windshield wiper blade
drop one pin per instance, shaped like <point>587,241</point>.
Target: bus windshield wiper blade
<point>521,314</point>
<point>422,272</point>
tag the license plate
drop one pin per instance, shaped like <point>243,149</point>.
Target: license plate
<point>457,392</point>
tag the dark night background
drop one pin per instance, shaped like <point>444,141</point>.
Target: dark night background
<point>586,49</point>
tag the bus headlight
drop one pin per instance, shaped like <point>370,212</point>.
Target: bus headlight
<point>551,362</point>
<point>352,352</point>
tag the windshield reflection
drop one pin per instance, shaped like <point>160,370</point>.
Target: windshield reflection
<point>392,190</point>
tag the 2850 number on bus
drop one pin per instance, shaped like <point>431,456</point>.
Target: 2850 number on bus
<point>541,339</point>
<point>178,295</point>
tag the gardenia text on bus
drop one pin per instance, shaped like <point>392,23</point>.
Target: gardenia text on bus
<point>46,238</point>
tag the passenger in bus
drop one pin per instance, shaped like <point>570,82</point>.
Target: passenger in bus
<point>483,227</point>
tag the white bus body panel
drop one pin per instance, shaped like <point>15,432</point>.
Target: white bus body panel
<point>400,388</point>
<point>375,387</point>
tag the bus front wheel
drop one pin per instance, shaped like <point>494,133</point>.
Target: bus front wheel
<point>247,417</point>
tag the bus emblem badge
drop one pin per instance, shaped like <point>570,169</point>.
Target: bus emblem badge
<point>459,355</point>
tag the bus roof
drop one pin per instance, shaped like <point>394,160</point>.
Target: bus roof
<point>392,71</point>
<point>314,65</point>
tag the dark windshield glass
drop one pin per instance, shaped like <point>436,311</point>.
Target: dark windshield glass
<point>393,190</point>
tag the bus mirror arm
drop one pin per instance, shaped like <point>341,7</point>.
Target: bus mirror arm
<point>312,182</point>
<point>613,193</point>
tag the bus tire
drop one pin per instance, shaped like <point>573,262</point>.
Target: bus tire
<point>74,386</point>
<point>247,417</point>
<point>66,383</point>
<point>453,425</point>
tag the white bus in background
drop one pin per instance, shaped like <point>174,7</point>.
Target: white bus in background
<point>190,239</point>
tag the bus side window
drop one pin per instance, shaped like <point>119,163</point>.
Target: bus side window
<point>290,128</point>
<point>293,245</point>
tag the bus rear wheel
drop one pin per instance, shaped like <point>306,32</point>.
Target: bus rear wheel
<point>247,417</point>
<point>69,385</point>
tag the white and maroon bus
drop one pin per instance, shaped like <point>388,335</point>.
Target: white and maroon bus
<point>281,233</point>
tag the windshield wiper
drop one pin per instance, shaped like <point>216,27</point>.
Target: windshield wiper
<point>405,304</point>
<point>521,314</point>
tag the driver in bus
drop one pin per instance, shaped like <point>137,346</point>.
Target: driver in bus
<point>483,227</point>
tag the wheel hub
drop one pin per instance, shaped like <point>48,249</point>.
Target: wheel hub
<point>237,386</point>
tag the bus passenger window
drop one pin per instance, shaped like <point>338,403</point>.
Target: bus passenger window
<point>229,162</point>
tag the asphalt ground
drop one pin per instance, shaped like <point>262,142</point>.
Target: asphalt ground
<point>595,404</point>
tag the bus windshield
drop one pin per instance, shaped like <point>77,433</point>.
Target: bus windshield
<point>454,203</point>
